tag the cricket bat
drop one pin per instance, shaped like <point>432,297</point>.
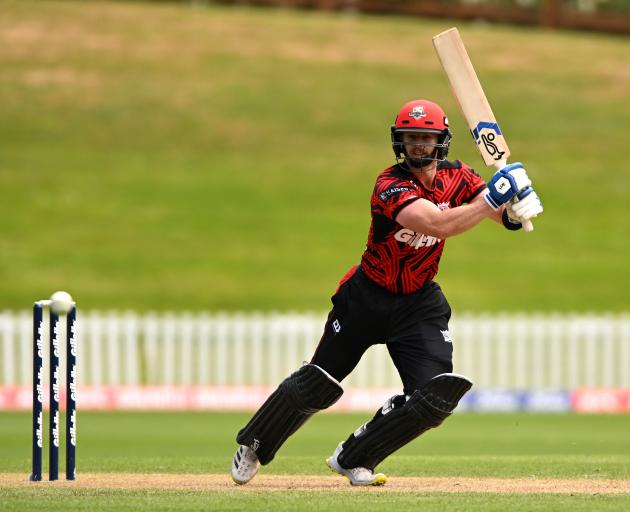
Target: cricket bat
<point>472,101</point>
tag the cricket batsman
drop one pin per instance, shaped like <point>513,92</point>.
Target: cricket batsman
<point>392,298</point>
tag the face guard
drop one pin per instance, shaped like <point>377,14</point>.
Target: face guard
<point>421,116</point>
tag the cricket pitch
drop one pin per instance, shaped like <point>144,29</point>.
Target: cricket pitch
<point>223,482</point>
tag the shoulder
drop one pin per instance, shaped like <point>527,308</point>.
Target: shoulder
<point>450,164</point>
<point>460,180</point>
<point>395,172</point>
<point>457,167</point>
<point>394,180</point>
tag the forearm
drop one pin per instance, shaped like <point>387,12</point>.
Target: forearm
<point>428,219</point>
<point>457,220</point>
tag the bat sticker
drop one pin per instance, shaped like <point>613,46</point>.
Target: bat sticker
<point>491,130</point>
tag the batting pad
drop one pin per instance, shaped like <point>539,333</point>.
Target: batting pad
<point>299,396</point>
<point>395,426</point>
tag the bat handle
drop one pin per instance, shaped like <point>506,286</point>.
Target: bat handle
<point>528,227</point>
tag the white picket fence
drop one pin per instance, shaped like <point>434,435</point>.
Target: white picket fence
<point>528,352</point>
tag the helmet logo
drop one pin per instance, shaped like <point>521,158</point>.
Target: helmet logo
<point>417,112</point>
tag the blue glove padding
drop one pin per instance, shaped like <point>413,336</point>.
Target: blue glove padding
<point>506,183</point>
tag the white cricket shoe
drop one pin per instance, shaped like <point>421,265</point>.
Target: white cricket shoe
<point>244,465</point>
<point>357,476</point>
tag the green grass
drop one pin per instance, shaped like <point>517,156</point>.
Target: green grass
<point>467,445</point>
<point>291,501</point>
<point>510,445</point>
<point>201,158</point>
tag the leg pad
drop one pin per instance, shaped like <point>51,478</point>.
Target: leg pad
<point>400,421</point>
<point>299,396</point>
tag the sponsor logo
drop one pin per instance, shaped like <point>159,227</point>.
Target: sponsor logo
<point>447,336</point>
<point>73,341</point>
<point>416,240</point>
<point>39,386</point>
<point>73,429</point>
<point>73,385</point>
<point>502,185</point>
<point>55,431</point>
<point>336,326</point>
<point>417,112</point>
<point>55,341</point>
<point>486,133</point>
<point>393,191</point>
<point>40,430</point>
<point>55,385</point>
<point>255,445</point>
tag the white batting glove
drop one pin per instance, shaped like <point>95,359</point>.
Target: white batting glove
<point>526,205</point>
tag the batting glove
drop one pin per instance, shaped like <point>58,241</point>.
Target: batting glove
<point>505,184</point>
<point>525,205</point>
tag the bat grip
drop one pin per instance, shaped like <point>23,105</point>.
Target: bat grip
<point>528,227</point>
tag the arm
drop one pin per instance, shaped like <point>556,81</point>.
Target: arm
<point>495,215</point>
<point>422,216</point>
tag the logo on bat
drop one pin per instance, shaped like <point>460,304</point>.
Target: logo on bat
<point>485,133</point>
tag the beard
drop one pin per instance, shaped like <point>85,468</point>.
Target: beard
<point>420,162</point>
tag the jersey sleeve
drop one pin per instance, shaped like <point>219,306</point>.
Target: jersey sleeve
<point>392,195</point>
<point>474,183</point>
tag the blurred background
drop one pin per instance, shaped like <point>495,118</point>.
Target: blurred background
<point>197,175</point>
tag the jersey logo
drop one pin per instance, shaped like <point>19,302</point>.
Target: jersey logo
<point>384,196</point>
<point>447,336</point>
<point>415,240</point>
<point>336,326</point>
<point>417,112</point>
<point>444,206</point>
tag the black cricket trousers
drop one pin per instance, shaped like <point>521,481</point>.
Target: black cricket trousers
<point>414,327</point>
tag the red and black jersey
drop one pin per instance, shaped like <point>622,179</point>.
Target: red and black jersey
<point>397,258</point>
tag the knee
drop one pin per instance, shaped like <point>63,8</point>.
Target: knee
<point>436,400</point>
<point>311,389</point>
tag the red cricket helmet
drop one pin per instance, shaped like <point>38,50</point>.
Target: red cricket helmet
<point>421,116</point>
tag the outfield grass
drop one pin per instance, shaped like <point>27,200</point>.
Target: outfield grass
<point>468,445</point>
<point>203,158</point>
<point>290,501</point>
<point>555,445</point>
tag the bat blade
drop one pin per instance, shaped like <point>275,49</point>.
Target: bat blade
<point>470,97</point>
<point>472,101</point>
